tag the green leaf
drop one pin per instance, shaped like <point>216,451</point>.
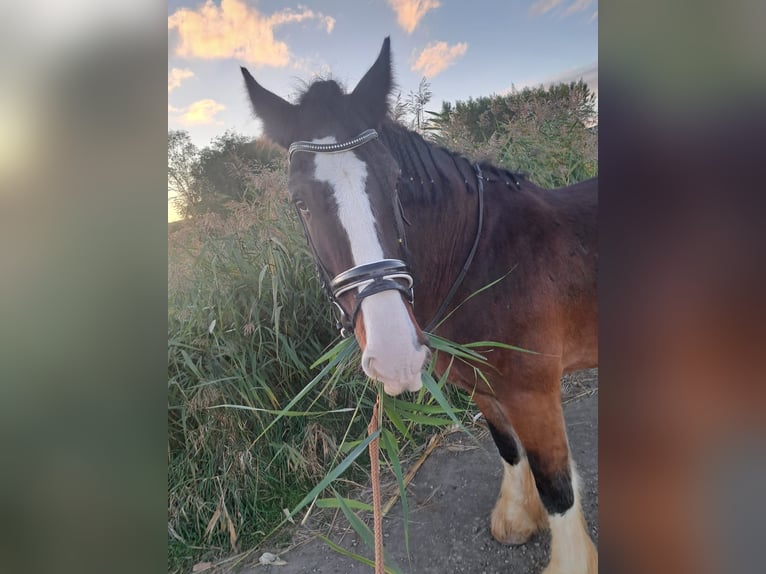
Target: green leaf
<point>472,295</point>
<point>335,473</point>
<point>310,385</point>
<point>333,503</point>
<point>283,412</point>
<point>435,390</point>
<point>479,344</point>
<point>342,348</point>
<point>411,407</point>
<point>361,528</point>
<point>460,351</point>
<point>426,419</point>
<point>393,415</point>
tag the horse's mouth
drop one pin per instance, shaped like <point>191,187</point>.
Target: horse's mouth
<point>406,379</point>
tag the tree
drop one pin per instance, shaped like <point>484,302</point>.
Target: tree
<point>182,159</point>
<point>227,169</point>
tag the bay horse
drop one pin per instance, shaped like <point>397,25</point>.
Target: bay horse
<point>392,219</point>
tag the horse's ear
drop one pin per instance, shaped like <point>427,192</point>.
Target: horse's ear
<point>276,114</point>
<point>371,93</point>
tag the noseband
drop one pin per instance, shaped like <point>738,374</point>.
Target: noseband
<point>369,278</point>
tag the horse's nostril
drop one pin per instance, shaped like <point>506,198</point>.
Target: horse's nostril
<point>367,365</point>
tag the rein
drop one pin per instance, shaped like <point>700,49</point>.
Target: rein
<point>385,274</point>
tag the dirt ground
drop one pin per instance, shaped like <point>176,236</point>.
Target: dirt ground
<point>450,500</point>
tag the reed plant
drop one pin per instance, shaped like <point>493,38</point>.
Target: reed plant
<point>266,406</point>
<point>246,320</point>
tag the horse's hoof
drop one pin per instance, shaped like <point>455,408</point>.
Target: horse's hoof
<point>512,531</point>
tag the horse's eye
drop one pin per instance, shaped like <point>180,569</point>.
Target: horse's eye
<point>302,207</point>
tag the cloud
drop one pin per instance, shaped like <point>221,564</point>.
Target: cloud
<point>410,12</point>
<point>541,7</point>
<point>235,30</point>
<point>594,16</point>
<point>199,113</point>
<point>176,76</point>
<point>436,56</point>
<point>577,6</point>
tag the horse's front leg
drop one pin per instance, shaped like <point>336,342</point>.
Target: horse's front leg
<point>518,512</point>
<point>539,424</point>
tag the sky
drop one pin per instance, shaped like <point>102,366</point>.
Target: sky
<point>465,49</point>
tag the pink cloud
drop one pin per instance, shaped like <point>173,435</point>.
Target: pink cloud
<point>236,30</point>
<point>199,113</point>
<point>176,76</point>
<point>410,12</point>
<point>437,56</point>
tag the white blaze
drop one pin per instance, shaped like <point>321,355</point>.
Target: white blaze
<point>393,354</point>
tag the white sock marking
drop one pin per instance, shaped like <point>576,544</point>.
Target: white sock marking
<point>572,550</point>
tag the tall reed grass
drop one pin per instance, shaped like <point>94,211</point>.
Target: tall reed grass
<point>246,319</point>
<point>246,322</point>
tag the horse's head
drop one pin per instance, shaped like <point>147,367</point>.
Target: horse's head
<point>342,180</point>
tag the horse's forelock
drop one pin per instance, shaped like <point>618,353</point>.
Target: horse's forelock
<point>322,92</point>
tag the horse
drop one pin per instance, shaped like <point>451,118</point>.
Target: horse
<point>407,236</point>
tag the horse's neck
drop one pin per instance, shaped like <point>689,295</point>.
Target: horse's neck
<point>440,203</point>
<point>440,235</point>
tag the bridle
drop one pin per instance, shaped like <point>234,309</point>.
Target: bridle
<point>369,278</point>
<point>385,274</point>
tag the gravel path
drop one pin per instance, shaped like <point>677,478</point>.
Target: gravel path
<point>450,499</point>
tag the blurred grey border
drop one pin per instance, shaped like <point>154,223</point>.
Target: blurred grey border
<point>82,287</point>
<point>83,248</point>
<point>682,285</point>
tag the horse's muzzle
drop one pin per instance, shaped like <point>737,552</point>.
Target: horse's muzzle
<point>392,348</point>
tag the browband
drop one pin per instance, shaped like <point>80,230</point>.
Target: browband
<point>312,147</point>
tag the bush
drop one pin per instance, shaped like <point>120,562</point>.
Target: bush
<point>550,134</point>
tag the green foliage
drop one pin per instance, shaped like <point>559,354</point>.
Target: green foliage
<point>253,429</point>
<point>226,170</point>
<point>547,133</point>
<point>226,167</point>
<point>246,319</point>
